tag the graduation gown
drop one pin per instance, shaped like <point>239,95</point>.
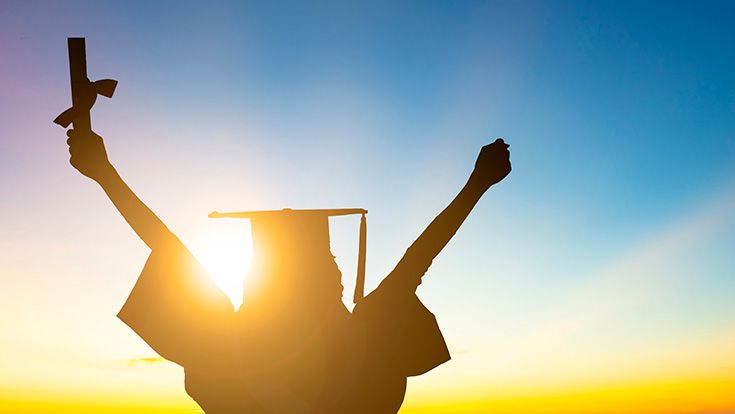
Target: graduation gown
<point>355,363</point>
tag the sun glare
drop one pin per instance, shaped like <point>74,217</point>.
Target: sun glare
<point>226,253</point>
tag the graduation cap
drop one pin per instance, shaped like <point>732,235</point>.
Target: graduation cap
<point>291,235</point>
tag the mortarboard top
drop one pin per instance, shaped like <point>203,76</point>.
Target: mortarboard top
<point>280,233</point>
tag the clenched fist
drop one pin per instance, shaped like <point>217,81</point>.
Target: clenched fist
<point>88,154</point>
<point>492,165</point>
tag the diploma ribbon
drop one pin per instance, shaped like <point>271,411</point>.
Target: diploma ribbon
<point>87,92</point>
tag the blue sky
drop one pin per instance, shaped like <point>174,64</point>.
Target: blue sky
<point>619,115</point>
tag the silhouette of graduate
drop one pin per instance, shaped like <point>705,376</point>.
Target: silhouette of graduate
<point>292,347</point>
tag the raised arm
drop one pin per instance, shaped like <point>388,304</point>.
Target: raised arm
<point>88,155</point>
<point>492,165</point>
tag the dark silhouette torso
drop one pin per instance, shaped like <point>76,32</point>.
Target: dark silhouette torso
<point>329,372</point>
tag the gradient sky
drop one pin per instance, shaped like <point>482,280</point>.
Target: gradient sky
<point>599,277</point>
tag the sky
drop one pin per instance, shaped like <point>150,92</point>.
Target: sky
<point>597,278</point>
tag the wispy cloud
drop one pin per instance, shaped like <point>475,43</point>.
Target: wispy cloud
<point>630,280</point>
<point>146,361</point>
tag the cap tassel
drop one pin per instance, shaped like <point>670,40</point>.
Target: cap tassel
<point>362,250</point>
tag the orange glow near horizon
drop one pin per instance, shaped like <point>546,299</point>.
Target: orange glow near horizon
<point>673,396</point>
<point>663,396</point>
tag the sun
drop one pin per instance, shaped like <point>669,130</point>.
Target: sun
<point>226,253</point>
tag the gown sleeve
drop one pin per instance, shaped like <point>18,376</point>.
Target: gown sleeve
<point>400,332</point>
<point>177,309</point>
